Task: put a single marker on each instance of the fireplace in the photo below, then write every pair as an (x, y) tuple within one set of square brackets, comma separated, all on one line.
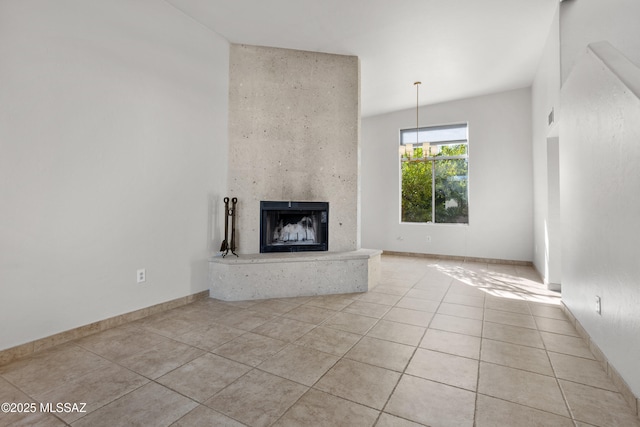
[(294, 226)]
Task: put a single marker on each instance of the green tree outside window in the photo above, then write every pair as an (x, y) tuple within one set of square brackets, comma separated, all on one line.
[(447, 200)]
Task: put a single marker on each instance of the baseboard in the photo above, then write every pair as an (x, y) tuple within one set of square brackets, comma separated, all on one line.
[(623, 387), (460, 258), (24, 350)]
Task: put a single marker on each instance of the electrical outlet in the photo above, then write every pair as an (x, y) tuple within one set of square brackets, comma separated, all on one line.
[(141, 275), (428, 239), (598, 305)]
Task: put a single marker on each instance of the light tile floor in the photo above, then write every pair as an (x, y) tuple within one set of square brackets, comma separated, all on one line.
[(436, 343)]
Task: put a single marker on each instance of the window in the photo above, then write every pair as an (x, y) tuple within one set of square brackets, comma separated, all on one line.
[(434, 164)]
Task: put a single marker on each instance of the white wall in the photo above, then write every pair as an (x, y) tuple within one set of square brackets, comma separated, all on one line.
[(500, 180), (545, 96), (113, 139), (588, 244), (587, 21), (600, 190)]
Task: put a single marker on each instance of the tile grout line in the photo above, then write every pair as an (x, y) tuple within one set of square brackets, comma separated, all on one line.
[(364, 334), (246, 308), (342, 357), (404, 371), (510, 367), (312, 387), (257, 367), (555, 376), (415, 350), (475, 408)]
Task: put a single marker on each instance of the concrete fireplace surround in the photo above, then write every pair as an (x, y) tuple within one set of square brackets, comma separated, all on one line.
[(294, 135)]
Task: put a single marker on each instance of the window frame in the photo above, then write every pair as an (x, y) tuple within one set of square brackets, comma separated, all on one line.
[(405, 146)]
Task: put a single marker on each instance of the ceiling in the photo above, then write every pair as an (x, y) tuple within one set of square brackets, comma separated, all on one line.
[(456, 48)]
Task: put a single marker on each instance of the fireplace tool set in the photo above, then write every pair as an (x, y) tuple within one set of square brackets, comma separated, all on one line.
[(229, 212)]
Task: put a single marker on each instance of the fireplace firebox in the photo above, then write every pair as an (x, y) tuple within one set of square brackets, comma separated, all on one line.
[(294, 226)]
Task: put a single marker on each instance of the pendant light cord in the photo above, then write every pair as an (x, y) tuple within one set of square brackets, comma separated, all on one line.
[(417, 85)]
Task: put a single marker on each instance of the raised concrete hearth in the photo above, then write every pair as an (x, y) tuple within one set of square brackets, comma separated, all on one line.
[(281, 275)]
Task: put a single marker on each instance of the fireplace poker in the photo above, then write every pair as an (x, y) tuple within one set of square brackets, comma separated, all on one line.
[(225, 244), (233, 226)]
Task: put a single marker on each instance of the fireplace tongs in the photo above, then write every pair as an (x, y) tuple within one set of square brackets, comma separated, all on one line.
[(229, 212)]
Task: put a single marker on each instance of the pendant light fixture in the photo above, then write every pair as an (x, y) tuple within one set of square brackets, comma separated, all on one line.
[(407, 149)]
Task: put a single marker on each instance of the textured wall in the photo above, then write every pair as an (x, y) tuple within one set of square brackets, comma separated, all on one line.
[(589, 21), (600, 206), (294, 135)]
